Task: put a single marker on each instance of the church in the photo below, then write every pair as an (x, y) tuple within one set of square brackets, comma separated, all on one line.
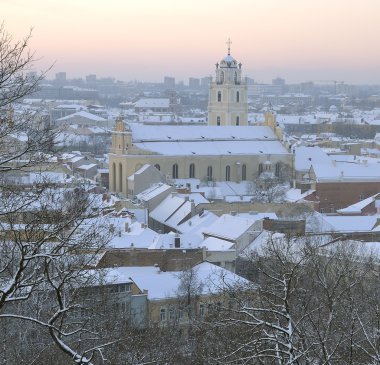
[(227, 149)]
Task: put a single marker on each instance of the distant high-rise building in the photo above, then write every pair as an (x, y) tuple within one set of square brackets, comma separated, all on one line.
[(278, 81), (228, 103), (194, 83), (205, 81), (60, 77), (91, 78), (169, 82)]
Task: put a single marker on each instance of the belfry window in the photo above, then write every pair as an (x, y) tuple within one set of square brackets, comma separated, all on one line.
[(228, 173), (175, 171), (237, 120), (217, 120), (209, 173), (191, 171), (219, 96), (244, 172), (237, 96), (222, 77)]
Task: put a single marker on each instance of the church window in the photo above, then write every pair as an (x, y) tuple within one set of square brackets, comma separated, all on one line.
[(222, 77), (175, 171), (157, 166), (260, 168), (218, 120), (277, 169), (114, 176), (237, 96), (237, 120), (244, 172), (219, 96), (120, 178), (209, 173), (228, 173), (191, 171), (235, 78)]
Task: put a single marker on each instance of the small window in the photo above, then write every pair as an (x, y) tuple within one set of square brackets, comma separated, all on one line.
[(219, 96), (244, 172), (277, 169), (217, 120), (192, 171), (228, 173), (201, 310), (209, 173), (175, 171), (163, 314)]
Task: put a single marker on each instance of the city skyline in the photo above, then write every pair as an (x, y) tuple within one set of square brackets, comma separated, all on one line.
[(297, 40)]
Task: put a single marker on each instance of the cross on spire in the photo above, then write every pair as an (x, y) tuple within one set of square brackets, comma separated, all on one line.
[(229, 46)]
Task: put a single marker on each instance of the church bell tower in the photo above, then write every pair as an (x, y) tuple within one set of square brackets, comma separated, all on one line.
[(227, 103)]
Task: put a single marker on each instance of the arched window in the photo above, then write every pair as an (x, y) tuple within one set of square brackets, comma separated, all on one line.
[(237, 96), (120, 178), (228, 173), (260, 168), (218, 120), (191, 171), (157, 166), (237, 120), (219, 96), (209, 173), (222, 77), (235, 78), (277, 169), (114, 177), (175, 171), (244, 172)]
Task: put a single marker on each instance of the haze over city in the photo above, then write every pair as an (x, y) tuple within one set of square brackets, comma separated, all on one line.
[(297, 39)]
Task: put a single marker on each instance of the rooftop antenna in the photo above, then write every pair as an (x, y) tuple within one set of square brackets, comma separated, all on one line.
[(229, 46)]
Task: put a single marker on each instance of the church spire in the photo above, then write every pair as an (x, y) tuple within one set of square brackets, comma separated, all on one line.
[(229, 46)]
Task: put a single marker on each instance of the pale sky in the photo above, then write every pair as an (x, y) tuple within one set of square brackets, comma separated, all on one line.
[(298, 40)]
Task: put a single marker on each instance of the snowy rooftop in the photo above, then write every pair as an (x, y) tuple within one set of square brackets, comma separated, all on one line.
[(152, 103), (163, 285), (82, 114), (145, 133), (306, 156), (357, 207), (230, 227), (153, 191), (346, 171), (207, 148)]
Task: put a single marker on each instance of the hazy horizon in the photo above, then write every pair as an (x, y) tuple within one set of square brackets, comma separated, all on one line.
[(298, 40)]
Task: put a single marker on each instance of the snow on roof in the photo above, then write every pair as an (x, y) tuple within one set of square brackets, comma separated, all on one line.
[(346, 171), (153, 191), (213, 147), (357, 207), (82, 114), (229, 227), (138, 237), (164, 285), (167, 208), (87, 167), (347, 223), (180, 214), (295, 195), (198, 223), (142, 169), (197, 198), (152, 103), (144, 133), (306, 156), (217, 244)]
